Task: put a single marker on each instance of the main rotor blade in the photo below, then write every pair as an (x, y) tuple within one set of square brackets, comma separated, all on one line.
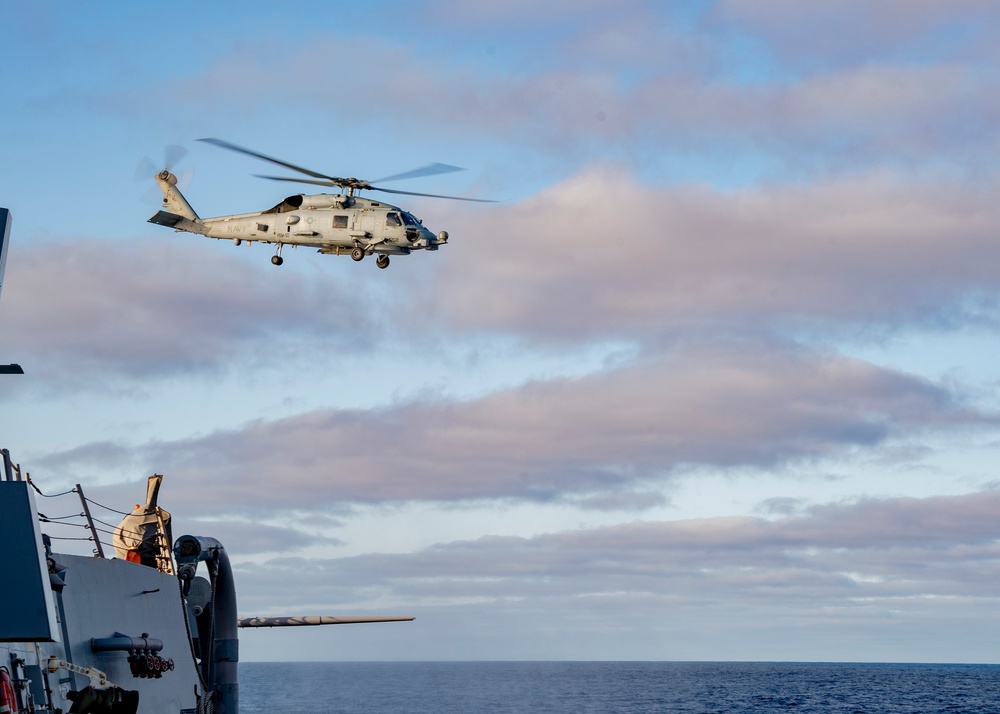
[(374, 188), (239, 149), (430, 195), (297, 180), (428, 170), (350, 183)]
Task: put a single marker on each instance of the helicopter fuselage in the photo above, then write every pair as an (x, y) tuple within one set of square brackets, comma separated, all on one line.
[(333, 223)]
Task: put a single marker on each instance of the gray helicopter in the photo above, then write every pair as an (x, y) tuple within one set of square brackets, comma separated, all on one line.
[(335, 224)]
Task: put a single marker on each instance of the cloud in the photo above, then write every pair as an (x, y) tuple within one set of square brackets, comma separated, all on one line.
[(604, 256), (252, 539), (555, 14), (137, 310), (658, 92), (893, 547), (833, 580), (855, 30), (878, 548), (587, 439)]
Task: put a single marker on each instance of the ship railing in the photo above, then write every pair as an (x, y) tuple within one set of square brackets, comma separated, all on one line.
[(86, 520)]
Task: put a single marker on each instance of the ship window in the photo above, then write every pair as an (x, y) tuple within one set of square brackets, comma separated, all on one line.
[(340, 221)]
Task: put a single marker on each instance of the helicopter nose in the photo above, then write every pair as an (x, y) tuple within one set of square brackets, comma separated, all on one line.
[(424, 238)]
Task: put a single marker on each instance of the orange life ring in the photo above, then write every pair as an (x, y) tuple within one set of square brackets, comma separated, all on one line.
[(8, 702)]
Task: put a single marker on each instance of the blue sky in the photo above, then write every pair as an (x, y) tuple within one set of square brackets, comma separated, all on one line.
[(713, 379)]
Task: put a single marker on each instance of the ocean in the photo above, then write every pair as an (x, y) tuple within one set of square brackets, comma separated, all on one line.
[(634, 687)]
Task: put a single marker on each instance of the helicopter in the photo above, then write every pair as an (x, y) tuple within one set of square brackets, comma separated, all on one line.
[(336, 224)]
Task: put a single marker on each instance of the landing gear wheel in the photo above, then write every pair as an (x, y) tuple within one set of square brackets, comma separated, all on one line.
[(276, 259), (358, 253), (382, 261)]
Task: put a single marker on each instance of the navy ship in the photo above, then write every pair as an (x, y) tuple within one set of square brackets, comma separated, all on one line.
[(151, 629)]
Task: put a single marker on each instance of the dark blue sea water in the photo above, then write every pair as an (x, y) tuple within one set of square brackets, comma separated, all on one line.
[(634, 687)]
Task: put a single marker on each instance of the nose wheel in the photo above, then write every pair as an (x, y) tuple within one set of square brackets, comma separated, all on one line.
[(382, 261)]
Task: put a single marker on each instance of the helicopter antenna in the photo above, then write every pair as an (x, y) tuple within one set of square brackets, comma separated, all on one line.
[(4, 238)]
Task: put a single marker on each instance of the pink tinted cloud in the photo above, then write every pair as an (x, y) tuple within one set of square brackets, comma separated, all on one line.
[(588, 438), (602, 255), (144, 309), (855, 30)]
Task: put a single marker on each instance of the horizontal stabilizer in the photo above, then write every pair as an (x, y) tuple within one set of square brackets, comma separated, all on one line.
[(313, 620), (178, 222), (163, 218)]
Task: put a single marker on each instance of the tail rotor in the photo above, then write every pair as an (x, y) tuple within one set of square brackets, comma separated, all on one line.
[(148, 169)]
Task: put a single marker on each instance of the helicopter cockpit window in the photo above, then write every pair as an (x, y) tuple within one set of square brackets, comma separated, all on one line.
[(410, 220), (289, 204), (392, 220)]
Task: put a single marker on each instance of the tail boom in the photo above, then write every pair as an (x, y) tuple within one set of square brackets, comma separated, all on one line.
[(176, 212)]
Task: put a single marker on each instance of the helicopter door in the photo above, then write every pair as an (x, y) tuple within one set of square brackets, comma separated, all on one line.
[(368, 223)]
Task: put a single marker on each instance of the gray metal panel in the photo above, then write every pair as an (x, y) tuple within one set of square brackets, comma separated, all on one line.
[(26, 597), (103, 597), (4, 238)]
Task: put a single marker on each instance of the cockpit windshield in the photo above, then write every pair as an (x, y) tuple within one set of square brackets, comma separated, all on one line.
[(410, 220)]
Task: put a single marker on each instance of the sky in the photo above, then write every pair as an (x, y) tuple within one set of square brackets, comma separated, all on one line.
[(714, 378)]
